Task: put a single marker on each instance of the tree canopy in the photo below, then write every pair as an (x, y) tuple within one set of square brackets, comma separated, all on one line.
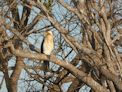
[(88, 45)]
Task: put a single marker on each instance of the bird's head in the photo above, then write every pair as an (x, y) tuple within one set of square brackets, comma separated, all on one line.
[(48, 33)]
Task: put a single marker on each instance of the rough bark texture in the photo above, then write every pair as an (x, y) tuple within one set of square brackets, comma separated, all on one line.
[(88, 45)]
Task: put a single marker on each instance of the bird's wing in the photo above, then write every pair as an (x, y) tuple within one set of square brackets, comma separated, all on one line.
[(42, 50)]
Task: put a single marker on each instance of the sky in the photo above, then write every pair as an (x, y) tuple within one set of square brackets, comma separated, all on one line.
[(37, 39)]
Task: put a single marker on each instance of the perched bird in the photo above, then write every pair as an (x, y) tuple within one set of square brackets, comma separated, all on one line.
[(47, 47)]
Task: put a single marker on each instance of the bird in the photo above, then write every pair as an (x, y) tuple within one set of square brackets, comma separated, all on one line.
[(46, 47)]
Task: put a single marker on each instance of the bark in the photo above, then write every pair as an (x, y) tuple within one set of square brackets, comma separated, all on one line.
[(16, 74), (79, 74)]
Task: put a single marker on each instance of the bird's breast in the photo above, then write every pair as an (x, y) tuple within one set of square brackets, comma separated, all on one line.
[(48, 45)]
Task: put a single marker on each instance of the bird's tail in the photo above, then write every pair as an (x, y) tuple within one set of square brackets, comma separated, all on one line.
[(46, 66), (46, 69)]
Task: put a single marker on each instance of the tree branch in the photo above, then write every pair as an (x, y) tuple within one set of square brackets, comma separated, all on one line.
[(79, 74)]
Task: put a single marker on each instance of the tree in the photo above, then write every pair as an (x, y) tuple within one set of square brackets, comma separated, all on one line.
[(87, 45)]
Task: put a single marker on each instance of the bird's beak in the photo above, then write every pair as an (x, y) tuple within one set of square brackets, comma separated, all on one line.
[(45, 34)]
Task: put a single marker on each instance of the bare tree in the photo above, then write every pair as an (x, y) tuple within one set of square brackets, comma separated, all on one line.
[(88, 45)]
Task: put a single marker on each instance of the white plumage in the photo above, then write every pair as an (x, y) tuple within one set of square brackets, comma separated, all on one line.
[(48, 44)]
